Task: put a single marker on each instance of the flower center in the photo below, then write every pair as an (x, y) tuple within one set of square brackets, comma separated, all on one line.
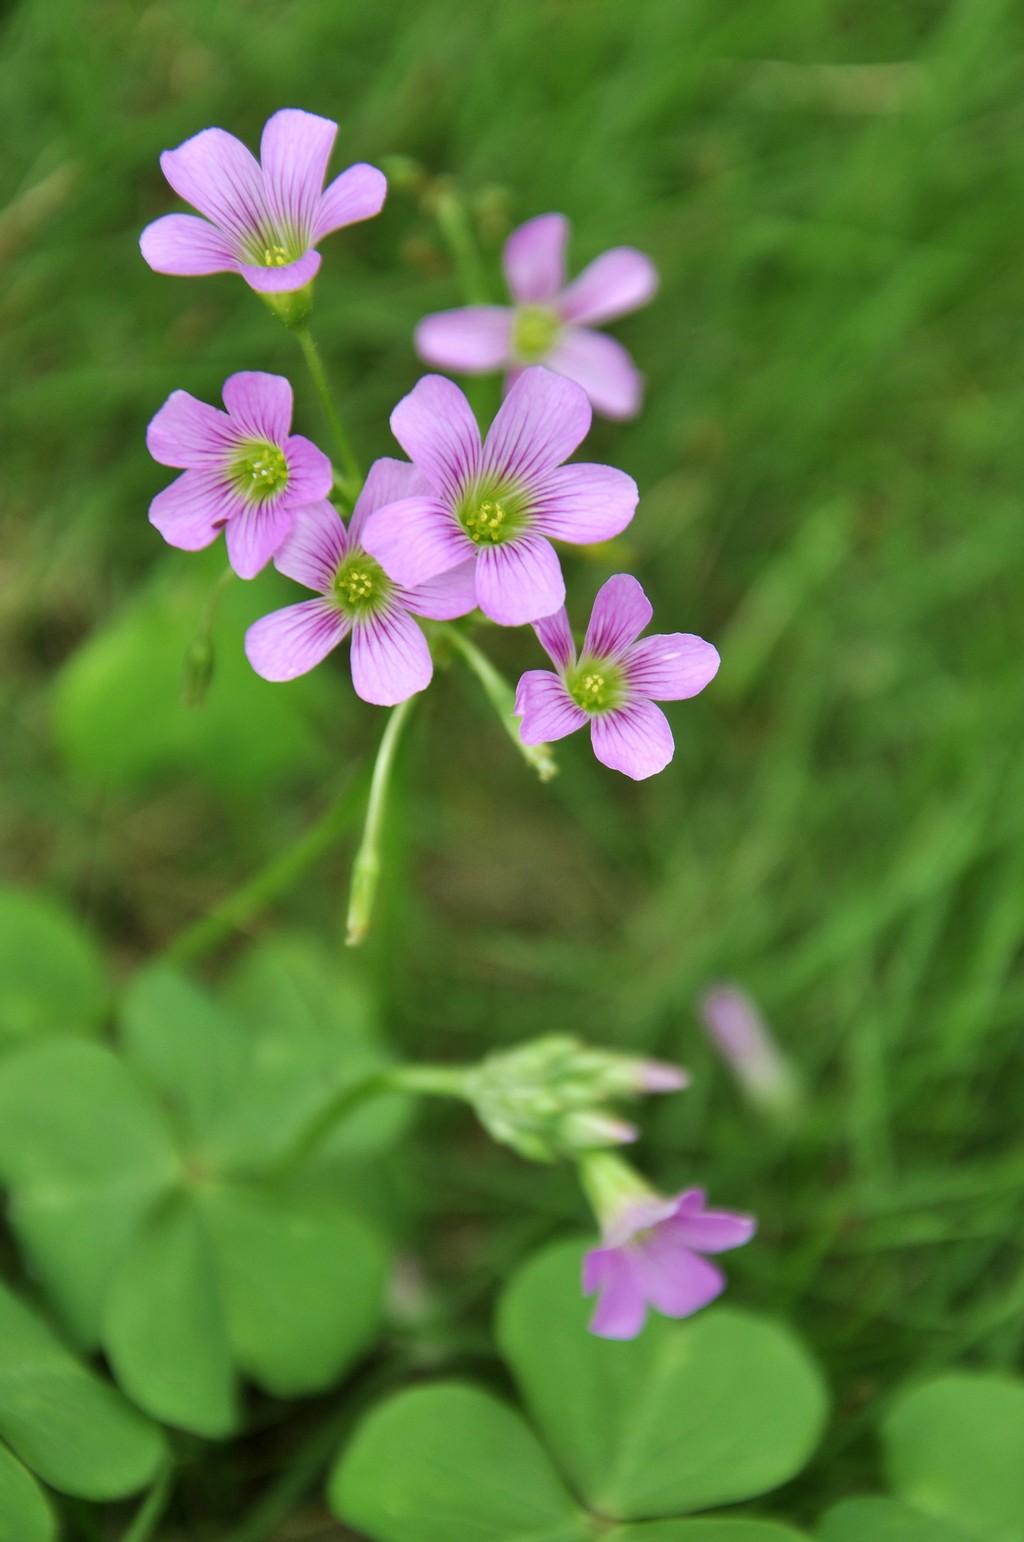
[(486, 523), (261, 469), (275, 257), (491, 513), (595, 685), (534, 331), (361, 585)]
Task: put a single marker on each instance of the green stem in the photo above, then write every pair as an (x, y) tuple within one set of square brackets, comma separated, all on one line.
[(366, 867), (457, 230), (342, 443), (438, 1081), (503, 699), (302, 1471), (147, 1516), (197, 668), (236, 911)]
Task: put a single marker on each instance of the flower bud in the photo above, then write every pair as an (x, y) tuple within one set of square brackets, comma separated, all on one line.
[(738, 1031)]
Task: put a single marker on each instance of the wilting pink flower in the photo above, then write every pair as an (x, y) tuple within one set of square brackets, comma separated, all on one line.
[(739, 1032), (550, 323), (245, 473), (390, 657), (652, 1247), (615, 682), (263, 218), (501, 502)]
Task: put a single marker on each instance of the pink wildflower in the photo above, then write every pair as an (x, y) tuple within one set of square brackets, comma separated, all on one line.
[(615, 682), (390, 657), (244, 472), (500, 502), (263, 218), (550, 323)]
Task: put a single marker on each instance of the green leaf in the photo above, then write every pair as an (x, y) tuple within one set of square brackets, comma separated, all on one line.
[(188, 1048), (314, 1038), (72, 1429), (302, 1283), (52, 979), (689, 1415), (883, 1520), (25, 1515), (85, 1155), (711, 1531), (445, 1462), (119, 717), (164, 1326), (955, 1449)]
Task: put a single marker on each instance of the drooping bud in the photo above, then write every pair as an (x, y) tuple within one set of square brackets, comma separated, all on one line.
[(740, 1034)]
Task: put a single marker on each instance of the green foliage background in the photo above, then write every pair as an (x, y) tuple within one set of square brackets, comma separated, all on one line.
[(830, 465)]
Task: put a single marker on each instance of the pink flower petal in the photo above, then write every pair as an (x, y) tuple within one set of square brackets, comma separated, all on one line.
[(190, 513), (415, 539), (602, 367), (315, 548), (474, 339), (555, 637), (294, 152), (357, 194), (708, 1231), (546, 708), (188, 432), (445, 597), (390, 658), (539, 424), (309, 470), (260, 404), (519, 581), (675, 1281), (187, 246), (290, 642), (618, 282), (534, 259), (584, 503), (294, 275), (621, 611), (671, 666), (216, 174), (621, 1307), (436, 428), (255, 533), (388, 481), (634, 739)]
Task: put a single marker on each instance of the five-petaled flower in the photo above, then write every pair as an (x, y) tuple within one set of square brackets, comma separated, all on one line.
[(550, 323), (244, 471), (263, 218), (498, 502), (614, 683), (390, 657), (651, 1248)]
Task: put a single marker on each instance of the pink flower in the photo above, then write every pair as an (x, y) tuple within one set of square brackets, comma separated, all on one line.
[(549, 323), (263, 218), (499, 503), (615, 682), (390, 657), (651, 1248), (739, 1032), (244, 472)]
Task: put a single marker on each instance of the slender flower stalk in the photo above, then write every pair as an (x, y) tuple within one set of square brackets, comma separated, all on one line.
[(342, 442), (366, 867), (502, 698)]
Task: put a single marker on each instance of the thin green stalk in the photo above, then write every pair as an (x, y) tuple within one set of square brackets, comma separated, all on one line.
[(439, 1081), (366, 868), (503, 699), (147, 1516), (236, 911), (342, 443), (197, 666), (455, 226), (299, 1476)]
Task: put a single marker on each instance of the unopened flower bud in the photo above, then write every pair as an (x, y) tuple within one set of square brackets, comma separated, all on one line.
[(739, 1032)]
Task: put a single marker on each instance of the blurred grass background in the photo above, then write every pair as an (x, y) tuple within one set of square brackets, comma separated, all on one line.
[(830, 464)]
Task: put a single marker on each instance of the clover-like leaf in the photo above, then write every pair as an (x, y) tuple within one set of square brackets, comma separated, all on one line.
[(710, 1530), (72, 1429), (874, 1519), (955, 1451), (25, 1514), (688, 1416), (85, 1156), (449, 1461), (52, 978)]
